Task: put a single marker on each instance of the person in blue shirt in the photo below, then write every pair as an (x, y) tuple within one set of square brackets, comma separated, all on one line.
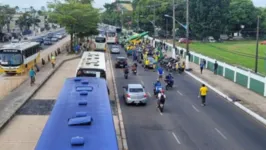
[(32, 76), (160, 72), (157, 86), (157, 83)]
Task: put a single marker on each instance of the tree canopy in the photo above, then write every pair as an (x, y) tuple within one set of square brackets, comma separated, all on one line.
[(77, 16), (207, 18)]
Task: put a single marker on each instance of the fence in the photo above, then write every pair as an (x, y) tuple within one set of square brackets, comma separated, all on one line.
[(245, 78)]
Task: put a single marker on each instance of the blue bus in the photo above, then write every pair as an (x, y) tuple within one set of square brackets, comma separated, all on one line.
[(81, 118)]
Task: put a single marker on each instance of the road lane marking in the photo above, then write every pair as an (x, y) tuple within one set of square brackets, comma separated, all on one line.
[(179, 93), (195, 108), (176, 138), (160, 113), (149, 94), (221, 133), (142, 82)]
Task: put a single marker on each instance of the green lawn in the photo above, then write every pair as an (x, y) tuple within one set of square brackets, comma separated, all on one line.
[(222, 52)]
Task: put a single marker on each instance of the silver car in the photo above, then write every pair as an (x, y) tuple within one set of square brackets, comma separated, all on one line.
[(115, 50), (135, 94)]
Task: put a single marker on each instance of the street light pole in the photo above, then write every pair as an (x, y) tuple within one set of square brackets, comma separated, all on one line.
[(154, 20), (173, 49), (187, 36), (257, 46)]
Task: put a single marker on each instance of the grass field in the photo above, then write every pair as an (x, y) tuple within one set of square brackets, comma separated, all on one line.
[(238, 53)]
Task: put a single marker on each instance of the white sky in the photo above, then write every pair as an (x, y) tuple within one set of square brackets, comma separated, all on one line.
[(97, 3)]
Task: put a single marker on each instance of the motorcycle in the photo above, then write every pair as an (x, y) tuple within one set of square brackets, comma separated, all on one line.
[(126, 75), (161, 107), (169, 84), (134, 72)]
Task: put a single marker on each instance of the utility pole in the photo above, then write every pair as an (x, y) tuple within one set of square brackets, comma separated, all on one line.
[(154, 13), (187, 36), (138, 21), (154, 20), (173, 50), (257, 46)]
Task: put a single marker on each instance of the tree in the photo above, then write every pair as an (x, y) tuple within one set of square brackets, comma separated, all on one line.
[(208, 18), (242, 12), (26, 21), (6, 14), (77, 16)]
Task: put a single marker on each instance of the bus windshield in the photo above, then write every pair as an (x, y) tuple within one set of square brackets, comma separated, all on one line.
[(111, 34), (10, 59), (100, 40)]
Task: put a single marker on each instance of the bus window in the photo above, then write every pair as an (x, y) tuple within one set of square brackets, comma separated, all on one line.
[(100, 40), (111, 34)]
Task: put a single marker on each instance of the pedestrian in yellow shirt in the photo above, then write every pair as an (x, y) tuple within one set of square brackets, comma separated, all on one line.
[(203, 93)]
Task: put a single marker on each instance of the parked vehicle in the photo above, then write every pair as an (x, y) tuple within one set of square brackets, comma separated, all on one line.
[(184, 40), (54, 39)]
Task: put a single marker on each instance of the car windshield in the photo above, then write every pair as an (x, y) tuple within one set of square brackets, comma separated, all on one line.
[(10, 59), (135, 90)]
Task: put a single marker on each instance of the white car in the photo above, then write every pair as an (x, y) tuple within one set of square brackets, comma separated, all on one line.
[(59, 36), (54, 39), (115, 50)]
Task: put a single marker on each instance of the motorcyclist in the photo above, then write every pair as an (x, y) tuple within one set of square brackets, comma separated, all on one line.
[(134, 67), (126, 71), (157, 85), (169, 79)]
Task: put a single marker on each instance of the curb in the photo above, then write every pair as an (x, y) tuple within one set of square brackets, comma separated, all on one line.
[(12, 114), (120, 117), (242, 107)]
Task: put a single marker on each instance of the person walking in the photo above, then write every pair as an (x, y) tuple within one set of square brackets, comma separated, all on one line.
[(32, 76), (202, 94), (201, 66), (215, 67), (53, 61)]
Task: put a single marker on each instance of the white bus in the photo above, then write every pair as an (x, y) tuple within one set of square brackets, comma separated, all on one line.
[(92, 64), (111, 37), (19, 57), (100, 43)]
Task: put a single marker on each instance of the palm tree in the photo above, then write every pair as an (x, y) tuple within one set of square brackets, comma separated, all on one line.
[(17, 9)]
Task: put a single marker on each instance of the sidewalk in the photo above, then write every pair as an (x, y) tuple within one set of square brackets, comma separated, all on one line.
[(11, 103), (249, 99)]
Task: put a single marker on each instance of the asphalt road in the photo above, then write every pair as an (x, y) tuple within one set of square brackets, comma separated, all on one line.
[(185, 124)]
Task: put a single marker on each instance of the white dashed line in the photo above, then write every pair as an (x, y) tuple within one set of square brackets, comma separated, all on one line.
[(149, 94), (195, 108), (179, 93), (142, 82), (176, 138), (221, 133), (161, 114)]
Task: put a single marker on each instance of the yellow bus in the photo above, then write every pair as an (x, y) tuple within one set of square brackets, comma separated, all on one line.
[(17, 58)]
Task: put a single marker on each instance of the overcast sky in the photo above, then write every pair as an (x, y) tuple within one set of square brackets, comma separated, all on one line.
[(97, 3)]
